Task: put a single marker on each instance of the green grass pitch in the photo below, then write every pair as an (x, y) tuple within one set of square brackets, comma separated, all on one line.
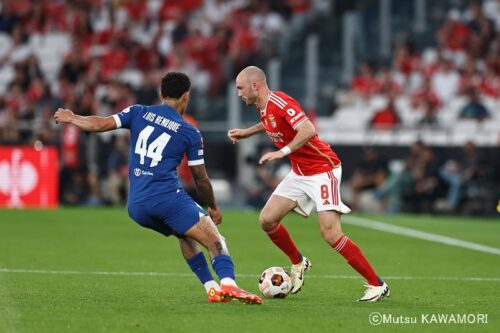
[(95, 270)]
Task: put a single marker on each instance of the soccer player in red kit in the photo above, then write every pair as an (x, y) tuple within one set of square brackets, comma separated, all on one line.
[(314, 181)]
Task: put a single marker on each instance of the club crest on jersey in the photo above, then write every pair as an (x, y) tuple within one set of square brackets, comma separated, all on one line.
[(272, 121)]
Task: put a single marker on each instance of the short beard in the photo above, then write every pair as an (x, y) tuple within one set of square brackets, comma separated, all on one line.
[(251, 100)]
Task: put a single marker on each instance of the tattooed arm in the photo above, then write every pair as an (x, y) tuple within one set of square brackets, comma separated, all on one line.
[(205, 191)]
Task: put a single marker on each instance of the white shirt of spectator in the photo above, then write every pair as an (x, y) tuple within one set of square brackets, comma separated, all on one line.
[(446, 84), (491, 9)]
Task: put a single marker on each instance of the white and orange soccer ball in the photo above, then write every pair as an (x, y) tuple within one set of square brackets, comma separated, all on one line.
[(275, 282)]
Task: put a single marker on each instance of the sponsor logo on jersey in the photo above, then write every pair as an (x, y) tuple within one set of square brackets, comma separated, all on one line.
[(275, 136), (326, 202), (138, 172)]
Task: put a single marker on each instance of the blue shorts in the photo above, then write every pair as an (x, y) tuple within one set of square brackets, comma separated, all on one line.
[(169, 214)]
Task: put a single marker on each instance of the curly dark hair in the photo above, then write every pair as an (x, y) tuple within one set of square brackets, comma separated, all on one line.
[(174, 84)]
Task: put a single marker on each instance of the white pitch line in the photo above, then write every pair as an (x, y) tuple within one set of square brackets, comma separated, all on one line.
[(309, 276), (394, 229)]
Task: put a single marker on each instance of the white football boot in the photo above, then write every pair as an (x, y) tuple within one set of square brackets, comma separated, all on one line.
[(297, 274), (375, 293)]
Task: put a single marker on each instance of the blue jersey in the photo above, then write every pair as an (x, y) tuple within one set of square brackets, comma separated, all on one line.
[(159, 138)]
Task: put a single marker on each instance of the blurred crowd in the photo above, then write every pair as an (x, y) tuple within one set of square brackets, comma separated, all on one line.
[(424, 180), (118, 51), (456, 80), (463, 65)]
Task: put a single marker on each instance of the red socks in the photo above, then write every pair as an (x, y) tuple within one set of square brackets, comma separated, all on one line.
[(355, 257), (280, 236), (349, 250)]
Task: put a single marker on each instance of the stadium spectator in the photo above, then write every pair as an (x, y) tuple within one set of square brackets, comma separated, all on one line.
[(8, 18), (147, 93), (19, 50), (461, 176), (424, 171), (367, 175), (491, 9), (73, 67), (406, 59), (445, 81), (386, 118), (386, 84), (75, 190), (425, 95), (490, 85), (244, 45), (452, 36), (471, 77), (474, 109), (365, 83), (272, 27), (115, 59), (429, 117), (390, 190)]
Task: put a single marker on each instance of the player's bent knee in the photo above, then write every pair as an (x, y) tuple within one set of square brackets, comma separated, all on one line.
[(330, 235), (267, 221)]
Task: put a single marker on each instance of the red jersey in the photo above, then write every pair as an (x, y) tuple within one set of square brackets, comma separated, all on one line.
[(280, 117)]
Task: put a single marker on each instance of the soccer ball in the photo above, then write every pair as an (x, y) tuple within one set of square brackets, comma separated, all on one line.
[(275, 282)]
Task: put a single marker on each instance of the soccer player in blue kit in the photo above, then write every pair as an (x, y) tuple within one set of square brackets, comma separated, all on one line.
[(159, 139)]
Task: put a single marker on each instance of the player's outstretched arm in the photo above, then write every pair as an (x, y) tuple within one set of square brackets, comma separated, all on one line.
[(305, 132), (88, 123), (236, 134), (205, 191)]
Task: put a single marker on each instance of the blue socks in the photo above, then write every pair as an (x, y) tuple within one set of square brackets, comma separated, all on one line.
[(223, 266), (199, 266)]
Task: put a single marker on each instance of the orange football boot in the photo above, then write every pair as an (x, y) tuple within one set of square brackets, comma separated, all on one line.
[(234, 292), (215, 296)]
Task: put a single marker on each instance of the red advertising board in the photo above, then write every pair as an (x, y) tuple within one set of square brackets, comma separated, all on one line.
[(29, 177)]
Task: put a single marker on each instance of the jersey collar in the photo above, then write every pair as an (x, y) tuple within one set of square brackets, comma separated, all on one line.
[(263, 111)]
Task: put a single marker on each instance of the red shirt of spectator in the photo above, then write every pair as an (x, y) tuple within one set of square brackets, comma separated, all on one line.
[(385, 84), (245, 39), (171, 9), (454, 34), (198, 49), (136, 9), (468, 81), (386, 118), (299, 6), (405, 61), (490, 85), (365, 83), (418, 97), (115, 60)]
